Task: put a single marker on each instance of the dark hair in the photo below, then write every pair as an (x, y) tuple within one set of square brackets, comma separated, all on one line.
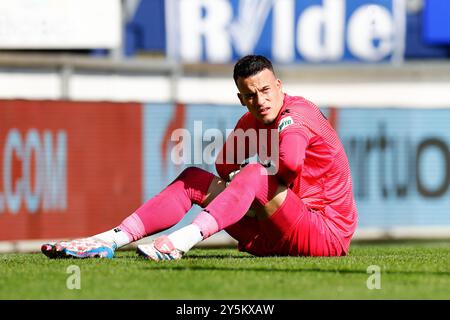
[(250, 65)]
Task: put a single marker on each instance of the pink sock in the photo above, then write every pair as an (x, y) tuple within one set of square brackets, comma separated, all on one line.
[(251, 185), (169, 206)]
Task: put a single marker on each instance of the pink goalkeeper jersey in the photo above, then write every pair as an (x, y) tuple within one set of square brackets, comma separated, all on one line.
[(312, 163)]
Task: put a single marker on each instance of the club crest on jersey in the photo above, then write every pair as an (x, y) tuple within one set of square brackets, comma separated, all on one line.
[(285, 122)]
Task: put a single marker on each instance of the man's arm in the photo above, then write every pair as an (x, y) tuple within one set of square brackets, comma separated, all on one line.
[(291, 155)]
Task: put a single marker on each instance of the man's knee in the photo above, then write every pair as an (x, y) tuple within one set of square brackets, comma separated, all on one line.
[(196, 182), (252, 174), (190, 172)]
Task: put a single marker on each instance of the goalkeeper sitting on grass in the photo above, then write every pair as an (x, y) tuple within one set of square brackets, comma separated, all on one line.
[(303, 206)]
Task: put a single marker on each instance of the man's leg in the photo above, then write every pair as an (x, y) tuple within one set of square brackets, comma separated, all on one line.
[(252, 188), (257, 210), (253, 191), (283, 226), (278, 222), (183, 238), (159, 213), (169, 206)]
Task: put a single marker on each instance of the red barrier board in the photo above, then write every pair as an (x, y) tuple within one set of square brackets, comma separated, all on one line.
[(68, 169)]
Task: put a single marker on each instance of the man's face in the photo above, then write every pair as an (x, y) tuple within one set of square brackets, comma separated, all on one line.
[(262, 95)]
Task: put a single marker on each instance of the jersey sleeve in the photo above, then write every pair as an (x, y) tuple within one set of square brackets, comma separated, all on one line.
[(295, 137)]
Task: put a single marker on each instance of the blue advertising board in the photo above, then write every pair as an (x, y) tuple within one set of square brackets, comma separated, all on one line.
[(400, 162), (436, 15), (287, 31)]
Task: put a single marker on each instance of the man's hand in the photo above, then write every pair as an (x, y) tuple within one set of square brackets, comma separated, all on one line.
[(255, 159), (231, 176)]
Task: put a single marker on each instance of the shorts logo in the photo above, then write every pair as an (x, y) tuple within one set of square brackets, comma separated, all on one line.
[(285, 122)]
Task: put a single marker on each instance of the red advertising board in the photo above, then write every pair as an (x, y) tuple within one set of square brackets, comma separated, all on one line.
[(68, 169)]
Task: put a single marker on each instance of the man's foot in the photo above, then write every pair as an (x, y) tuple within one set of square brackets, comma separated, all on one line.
[(79, 248), (160, 249)]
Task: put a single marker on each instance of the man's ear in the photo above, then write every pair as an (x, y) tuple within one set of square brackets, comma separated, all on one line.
[(279, 84), (240, 99)]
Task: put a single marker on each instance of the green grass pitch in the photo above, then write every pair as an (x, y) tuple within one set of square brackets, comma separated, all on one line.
[(409, 270)]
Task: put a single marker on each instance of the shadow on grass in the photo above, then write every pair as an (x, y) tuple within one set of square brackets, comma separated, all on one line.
[(290, 270), (219, 256), (169, 265), (174, 265)]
